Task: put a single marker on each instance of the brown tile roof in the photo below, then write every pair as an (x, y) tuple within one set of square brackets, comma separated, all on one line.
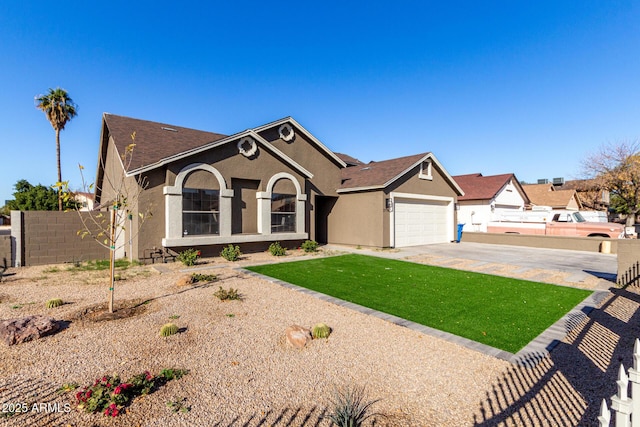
[(377, 174), (154, 141), (478, 187), (546, 195), (350, 161)]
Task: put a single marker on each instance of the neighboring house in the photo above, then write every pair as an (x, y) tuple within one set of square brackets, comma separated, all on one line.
[(486, 198), (548, 195), (86, 201), (5, 219), (275, 182), (590, 194)]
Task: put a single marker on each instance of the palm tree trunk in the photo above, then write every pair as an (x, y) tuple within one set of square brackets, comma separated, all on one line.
[(59, 170)]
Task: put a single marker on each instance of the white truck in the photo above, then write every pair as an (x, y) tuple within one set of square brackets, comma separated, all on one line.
[(554, 223)]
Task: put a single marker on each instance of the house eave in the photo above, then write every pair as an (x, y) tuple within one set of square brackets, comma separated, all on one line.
[(355, 189), (218, 143)]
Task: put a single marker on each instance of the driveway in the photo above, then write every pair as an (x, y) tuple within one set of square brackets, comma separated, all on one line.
[(573, 267)]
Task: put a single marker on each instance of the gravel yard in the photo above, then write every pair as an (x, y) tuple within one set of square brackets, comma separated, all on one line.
[(242, 372)]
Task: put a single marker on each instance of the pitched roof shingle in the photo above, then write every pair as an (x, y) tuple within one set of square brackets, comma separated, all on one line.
[(154, 141), (479, 187), (377, 174), (547, 195)]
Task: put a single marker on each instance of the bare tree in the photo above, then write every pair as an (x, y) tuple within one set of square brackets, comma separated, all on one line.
[(615, 167), (109, 230)]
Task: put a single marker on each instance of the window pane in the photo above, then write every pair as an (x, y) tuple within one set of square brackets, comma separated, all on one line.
[(283, 222), (283, 213), (283, 203), (200, 223), (200, 211)]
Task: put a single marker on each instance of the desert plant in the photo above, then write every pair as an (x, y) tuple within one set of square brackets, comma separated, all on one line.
[(168, 330), (309, 246), (226, 295), (276, 249), (203, 277), (178, 405), (189, 257), (320, 330), (55, 302), (351, 408), (231, 253)]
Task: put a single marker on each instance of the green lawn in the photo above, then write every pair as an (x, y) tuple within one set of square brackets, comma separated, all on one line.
[(498, 311)]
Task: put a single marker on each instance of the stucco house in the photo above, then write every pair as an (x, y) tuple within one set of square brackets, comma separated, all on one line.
[(275, 182), (486, 198), (548, 195)]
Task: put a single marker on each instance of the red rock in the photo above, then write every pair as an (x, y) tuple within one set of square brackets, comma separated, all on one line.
[(16, 331)]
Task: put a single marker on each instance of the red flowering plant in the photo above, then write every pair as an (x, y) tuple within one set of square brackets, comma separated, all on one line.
[(110, 396)]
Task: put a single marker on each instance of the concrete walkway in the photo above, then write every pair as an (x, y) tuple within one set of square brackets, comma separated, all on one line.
[(593, 271)]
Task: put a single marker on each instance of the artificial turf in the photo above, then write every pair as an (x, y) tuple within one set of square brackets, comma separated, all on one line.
[(498, 311)]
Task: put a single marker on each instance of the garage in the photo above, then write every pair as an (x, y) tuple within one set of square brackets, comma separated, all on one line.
[(420, 221)]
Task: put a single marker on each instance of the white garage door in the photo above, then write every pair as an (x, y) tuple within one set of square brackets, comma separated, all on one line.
[(421, 222)]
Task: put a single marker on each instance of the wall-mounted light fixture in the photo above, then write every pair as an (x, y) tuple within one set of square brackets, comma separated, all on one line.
[(389, 204)]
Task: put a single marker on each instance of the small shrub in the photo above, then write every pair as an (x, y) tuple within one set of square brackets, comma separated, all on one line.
[(350, 408), (231, 253), (320, 330), (203, 277), (53, 303), (168, 330), (310, 246), (178, 405), (276, 250), (227, 295), (189, 257)]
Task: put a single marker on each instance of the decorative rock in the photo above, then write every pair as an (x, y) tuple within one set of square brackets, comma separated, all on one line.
[(297, 336), (185, 280), (16, 331)]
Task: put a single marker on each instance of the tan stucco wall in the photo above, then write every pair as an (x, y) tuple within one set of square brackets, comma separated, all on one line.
[(628, 262), (326, 179), (589, 244), (358, 219)]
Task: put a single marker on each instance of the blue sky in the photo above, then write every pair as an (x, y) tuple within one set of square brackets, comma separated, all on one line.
[(493, 87)]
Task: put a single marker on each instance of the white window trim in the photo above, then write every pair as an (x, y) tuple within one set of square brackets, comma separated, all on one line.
[(428, 173), (264, 207), (173, 210)]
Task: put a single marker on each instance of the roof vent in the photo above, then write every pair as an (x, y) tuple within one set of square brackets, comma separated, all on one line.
[(366, 168), (169, 129)]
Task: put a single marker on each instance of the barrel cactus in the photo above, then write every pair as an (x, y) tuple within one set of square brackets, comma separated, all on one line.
[(320, 330), (55, 302), (168, 330)]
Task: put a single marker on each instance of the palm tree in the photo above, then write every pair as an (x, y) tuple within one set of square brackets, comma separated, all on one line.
[(59, 109)]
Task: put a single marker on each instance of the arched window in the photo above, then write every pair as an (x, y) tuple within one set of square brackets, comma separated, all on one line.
[(283, 207), (200, 204)]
